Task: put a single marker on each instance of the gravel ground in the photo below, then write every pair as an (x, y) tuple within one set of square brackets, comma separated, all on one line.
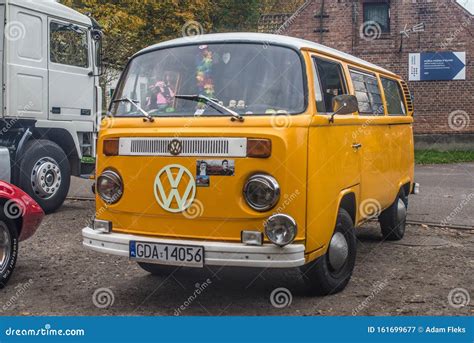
[(55, 275)]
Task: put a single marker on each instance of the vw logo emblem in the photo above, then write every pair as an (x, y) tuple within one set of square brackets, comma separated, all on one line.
[(175, 147), (174, 188)]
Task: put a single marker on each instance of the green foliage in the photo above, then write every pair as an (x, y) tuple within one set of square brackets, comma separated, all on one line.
[(441, 157)]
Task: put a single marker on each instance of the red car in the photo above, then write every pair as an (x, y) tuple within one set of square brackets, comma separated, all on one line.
[(20, 216)]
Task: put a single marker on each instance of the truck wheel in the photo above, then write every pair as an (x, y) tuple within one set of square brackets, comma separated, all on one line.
[(8, 249), (157, 269), (330, 273), (45, 174), (393, 219)]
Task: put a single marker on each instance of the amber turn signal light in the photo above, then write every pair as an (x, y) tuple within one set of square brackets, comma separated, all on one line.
[(259, 148), (111, 147)]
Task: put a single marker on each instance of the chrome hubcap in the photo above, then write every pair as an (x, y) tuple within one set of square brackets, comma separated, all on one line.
[(5, 246), (338, 251), (401, 211), (46, 178)]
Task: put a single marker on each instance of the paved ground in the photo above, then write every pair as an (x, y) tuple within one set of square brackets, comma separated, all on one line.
[(56, 276)]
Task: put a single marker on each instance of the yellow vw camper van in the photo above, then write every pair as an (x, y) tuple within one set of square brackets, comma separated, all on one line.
[(252, 150)]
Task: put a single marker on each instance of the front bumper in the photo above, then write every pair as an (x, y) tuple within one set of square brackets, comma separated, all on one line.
[(215, 253)]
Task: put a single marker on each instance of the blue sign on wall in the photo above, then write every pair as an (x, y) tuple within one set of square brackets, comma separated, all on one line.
[(437, 66)]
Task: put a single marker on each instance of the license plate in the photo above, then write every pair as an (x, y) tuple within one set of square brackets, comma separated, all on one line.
[(171, 254)]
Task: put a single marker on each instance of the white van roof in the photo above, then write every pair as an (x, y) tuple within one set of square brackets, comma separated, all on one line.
[(264, 39), (52, 8)]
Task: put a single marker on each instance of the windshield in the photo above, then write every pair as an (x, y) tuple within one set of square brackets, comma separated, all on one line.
[(247, 78)]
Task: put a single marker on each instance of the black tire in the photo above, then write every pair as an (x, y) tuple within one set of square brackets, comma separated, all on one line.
[(319, 275), (158, 269), (8, 253), (393, 219), (37, 152)]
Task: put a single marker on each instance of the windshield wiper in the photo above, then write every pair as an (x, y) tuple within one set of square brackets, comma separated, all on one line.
[(212, 103), (135, 104)]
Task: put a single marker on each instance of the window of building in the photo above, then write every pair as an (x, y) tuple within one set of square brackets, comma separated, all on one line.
[(393, 97), (69, 45), (367, 93), (379, 13), (329, 83)]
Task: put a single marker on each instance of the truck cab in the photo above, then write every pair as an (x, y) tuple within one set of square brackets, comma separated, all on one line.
[(50, 97)]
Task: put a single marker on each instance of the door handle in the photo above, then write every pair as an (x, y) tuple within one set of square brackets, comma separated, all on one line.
[(356, 146)]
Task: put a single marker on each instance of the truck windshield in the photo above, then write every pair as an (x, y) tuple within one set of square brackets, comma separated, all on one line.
[(250, 79)]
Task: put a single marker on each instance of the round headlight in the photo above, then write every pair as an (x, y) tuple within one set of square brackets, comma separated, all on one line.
[(281, 229), (110, 186), (262, 192)]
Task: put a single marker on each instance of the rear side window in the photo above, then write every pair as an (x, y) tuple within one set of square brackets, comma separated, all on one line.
[(393, 97), (68, 45), (368, 93), (329, 83)]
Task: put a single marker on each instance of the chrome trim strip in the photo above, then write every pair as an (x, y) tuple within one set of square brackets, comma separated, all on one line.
[(191, 146)]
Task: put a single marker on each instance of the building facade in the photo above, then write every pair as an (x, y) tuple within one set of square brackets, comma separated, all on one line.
[(397, 34)]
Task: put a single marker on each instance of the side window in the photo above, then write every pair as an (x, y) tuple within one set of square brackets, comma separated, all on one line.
[(69, 45), (368, 93), (329, 82), (393, 97)]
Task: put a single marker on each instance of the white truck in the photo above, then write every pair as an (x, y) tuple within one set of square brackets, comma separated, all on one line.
[(51, 98)]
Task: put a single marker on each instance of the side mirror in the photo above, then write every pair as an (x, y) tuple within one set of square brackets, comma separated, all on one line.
[(344, 104)]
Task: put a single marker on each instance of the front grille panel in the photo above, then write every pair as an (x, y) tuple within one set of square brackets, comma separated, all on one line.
[(190, 146)]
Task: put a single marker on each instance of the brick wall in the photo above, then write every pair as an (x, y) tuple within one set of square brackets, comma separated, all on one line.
[(447, 27)]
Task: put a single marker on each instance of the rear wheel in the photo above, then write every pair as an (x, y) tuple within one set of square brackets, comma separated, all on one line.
[(157, 269), (45, 174), (8, 249), (330, 273), (393, 219)]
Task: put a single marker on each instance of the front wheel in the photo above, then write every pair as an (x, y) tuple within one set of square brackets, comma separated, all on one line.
[(330, 273), (8, 249), (45, 174)]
